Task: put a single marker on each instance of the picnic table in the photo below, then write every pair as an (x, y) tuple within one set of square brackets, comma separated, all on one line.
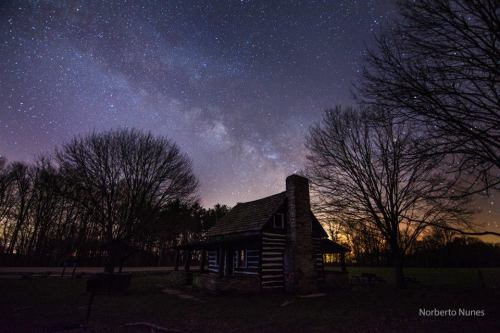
[(369, 279)]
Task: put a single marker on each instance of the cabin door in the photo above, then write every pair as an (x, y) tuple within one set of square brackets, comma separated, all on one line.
[(228, 262)]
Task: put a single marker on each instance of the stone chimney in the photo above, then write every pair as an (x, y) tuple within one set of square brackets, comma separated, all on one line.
[(300, 276)]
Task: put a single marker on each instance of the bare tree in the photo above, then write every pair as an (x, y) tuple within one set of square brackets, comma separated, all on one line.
[(364, 170), (123, 179), (438, 65), (99, 191), (47, 208), (6, 202), (22, 178)]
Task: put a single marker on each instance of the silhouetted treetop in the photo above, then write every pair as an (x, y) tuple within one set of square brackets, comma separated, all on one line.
[(124, 178), (438, 65)]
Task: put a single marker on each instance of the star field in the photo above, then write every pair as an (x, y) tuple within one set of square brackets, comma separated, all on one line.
[(235, 84)]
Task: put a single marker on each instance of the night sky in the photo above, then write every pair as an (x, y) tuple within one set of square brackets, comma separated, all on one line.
[(235, 84)]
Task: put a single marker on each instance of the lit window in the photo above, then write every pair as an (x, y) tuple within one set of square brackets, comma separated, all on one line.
[(279, 221), (241, 256)]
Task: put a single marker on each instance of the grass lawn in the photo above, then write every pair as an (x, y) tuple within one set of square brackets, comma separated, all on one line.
[(450, 277), (59, 305)]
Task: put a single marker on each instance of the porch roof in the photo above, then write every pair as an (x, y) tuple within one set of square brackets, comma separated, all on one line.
[(329, 246), (238, 238)]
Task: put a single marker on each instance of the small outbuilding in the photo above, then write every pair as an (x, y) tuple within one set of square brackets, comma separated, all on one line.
[(272, 243)]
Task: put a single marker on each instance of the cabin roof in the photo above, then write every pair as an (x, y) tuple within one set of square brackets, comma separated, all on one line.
[(248, 216)]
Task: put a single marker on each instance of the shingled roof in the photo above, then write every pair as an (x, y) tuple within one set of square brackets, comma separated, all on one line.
[(248, 216)]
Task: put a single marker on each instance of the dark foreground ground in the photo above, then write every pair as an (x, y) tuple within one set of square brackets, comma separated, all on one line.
[(59, 305)]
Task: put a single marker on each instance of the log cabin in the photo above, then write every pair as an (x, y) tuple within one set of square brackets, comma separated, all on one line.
[(274, 243)]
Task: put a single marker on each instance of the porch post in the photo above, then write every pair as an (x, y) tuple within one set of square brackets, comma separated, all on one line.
[(188, 260), (202, 260), (222, 259), (229, 261), (342, 262), (177, 259)]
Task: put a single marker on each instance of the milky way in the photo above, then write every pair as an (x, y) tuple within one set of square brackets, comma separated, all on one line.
[(235, 84)]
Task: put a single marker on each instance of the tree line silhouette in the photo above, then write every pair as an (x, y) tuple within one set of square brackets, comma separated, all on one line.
[(435, 249), (121, 191)]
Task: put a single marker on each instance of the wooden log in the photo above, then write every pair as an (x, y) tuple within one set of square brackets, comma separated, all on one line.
[(153, 327)]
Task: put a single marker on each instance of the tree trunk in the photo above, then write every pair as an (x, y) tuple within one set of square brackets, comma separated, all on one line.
[(15, 235), (109, 267), (397, 262), (122, 262)]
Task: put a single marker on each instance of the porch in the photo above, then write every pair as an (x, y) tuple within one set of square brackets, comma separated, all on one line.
[(336, 276), (220, 255), (217, 266)]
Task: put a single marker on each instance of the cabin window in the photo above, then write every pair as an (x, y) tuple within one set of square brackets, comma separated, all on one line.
[(279, 221), (241, 258)]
